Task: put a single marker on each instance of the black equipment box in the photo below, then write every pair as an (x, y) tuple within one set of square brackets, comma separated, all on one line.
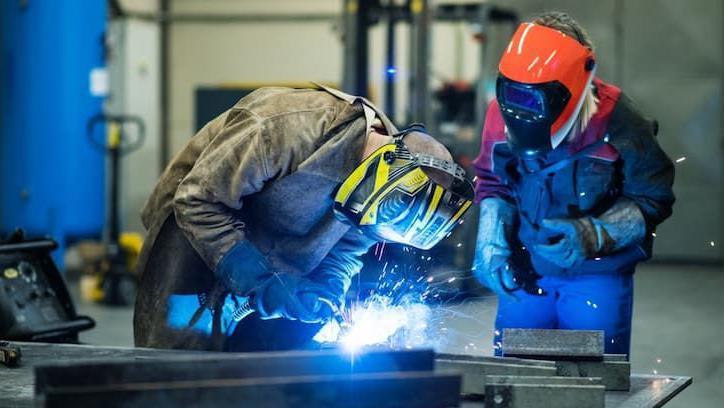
[(34, 301)]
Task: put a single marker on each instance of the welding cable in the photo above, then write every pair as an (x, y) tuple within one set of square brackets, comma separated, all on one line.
[(205, 301), (336, 313), (244, 310)]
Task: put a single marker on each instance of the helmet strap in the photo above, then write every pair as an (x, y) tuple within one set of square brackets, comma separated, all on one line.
[(414, 127)]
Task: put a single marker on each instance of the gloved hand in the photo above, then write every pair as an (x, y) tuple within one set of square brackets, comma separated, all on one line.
[(293, 298), (572, 241), (569, 241), (336, 285), (342, 262), (242, 268), (245, 272), (492, 265)]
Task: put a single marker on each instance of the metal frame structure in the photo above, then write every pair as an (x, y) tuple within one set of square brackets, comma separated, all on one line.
[(361, 15), (358, 16)]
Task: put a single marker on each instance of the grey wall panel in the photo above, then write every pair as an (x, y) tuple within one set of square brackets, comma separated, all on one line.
[(672, 65)]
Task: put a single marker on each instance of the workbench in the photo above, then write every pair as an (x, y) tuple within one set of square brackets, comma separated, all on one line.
[(17, 384)]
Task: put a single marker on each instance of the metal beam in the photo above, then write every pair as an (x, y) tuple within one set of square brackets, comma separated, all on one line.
[(420, 61), (229, 366), (475, 373), (615, 371), (486, 359), (530, 392), (553, 344), (371, 390)]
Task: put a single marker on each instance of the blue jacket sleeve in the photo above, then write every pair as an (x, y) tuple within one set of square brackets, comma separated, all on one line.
[(342, 262), (648, 173)]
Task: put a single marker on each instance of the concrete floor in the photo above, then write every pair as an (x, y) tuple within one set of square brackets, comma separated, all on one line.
[(678, 328)]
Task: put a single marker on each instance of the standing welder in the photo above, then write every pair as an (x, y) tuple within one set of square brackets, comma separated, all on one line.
[(269, 207), (571, 183)]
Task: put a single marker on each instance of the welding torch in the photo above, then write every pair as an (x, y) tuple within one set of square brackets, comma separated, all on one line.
[(246, 308), (336, 312)]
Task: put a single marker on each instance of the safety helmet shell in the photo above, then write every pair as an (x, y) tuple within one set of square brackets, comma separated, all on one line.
[(541, 57), (391, 197)]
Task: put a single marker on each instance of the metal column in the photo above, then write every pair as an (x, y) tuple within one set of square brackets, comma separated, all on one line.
[(419, 61), (481, 100), (355, 77), (165, 82), (391, 69)]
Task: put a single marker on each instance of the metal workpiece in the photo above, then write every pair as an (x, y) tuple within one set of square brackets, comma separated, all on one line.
[(475, 373), (488, 359), (369, 390), (374, 378), (615, 371), (648, 391), (555, 345), (559, 392), (547, 380), (227, 366)]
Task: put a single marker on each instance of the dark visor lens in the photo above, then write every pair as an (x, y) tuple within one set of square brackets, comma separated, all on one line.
[(526, 99), (464, 188)]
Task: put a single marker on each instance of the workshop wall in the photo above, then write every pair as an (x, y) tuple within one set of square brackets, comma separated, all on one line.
[(213, 53), (672, 65)]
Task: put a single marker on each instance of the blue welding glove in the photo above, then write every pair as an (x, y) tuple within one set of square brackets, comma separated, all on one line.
[(569, 241), (492, 266), (242, 268), (292, 297), (245, 272), (336, 285), (572, 241)]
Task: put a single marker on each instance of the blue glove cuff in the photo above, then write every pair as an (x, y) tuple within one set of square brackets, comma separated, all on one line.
[(242, 268)]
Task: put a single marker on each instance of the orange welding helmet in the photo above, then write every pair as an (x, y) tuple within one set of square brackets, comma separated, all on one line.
[(541, 86)]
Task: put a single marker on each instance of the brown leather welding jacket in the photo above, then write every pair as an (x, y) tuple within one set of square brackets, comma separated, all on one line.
[(263, 171)]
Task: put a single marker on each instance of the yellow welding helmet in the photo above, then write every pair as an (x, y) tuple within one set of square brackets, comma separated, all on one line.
[(402, 197)]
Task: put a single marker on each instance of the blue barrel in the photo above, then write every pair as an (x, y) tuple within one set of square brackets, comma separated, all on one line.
[(51, 179)]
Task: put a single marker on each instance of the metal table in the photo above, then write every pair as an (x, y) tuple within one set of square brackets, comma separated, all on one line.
[(17, 384)]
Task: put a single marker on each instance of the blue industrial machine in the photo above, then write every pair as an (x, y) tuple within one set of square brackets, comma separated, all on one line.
[(52, 82)]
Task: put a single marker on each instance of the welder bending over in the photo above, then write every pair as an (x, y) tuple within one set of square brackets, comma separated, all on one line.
[(269, 207), (571, 183)]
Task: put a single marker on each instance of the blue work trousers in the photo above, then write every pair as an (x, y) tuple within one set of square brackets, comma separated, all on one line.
[(586, 302)]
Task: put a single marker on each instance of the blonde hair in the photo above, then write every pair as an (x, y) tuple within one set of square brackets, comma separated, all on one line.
[(564, 23)]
